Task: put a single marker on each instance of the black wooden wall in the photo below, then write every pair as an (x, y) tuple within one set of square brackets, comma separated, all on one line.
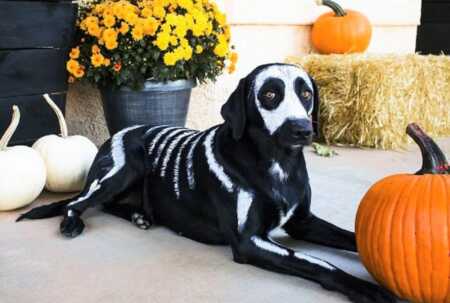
[(433, 35), (35, 37)]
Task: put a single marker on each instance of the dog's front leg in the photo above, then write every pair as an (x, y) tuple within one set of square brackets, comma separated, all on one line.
[(316, 230), (264, 253)]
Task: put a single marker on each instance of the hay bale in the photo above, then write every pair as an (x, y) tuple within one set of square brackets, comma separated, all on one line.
[(368, 100)]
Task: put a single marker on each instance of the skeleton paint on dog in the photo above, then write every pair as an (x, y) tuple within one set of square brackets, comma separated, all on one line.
[(290, 106), (232, 184)]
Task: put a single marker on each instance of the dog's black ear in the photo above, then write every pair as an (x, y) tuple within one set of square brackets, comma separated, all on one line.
[(316, 108), (234, 112)]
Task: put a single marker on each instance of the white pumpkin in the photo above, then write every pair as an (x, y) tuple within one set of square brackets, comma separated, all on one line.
[(22, 176), (67, 158)]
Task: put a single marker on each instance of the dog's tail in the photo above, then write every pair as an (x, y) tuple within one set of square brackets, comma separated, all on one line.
[(45, 211)]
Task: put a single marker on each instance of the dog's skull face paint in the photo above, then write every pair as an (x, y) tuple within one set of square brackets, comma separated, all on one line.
[(284, 99)]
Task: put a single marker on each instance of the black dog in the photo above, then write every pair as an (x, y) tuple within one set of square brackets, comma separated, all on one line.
[(232, 184)]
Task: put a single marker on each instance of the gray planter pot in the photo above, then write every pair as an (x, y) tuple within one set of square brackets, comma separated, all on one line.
[(156, 103)]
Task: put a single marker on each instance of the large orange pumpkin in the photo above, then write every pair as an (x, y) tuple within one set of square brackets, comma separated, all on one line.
[(340, 31), (403, 228)]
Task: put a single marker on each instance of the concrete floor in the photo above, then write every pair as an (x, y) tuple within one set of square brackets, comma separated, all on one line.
[(115, 262)]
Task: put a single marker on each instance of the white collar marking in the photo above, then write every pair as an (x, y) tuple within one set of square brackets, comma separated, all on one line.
[(214, 166), (277, 171), (291, 106)]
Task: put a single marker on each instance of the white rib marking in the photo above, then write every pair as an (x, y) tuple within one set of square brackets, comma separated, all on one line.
[(214, 166), (314, 260), (157, 137), (117, 152), (176, 169), (244, 201), (189, 164), (170, 149), (164, 143), (269, 246)]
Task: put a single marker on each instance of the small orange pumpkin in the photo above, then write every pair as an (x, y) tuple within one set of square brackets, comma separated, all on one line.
[(341, 31), (403, 228)]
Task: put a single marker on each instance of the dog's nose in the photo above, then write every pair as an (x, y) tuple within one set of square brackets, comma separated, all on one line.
[(301, 129)]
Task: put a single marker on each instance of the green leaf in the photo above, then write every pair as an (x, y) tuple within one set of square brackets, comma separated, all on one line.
[(323, 150)]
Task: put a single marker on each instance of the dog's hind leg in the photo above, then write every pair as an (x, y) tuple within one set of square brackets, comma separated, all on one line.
[(116, 168)]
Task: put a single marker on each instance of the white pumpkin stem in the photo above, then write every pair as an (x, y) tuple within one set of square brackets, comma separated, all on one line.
[(59, 114), (11, 128)]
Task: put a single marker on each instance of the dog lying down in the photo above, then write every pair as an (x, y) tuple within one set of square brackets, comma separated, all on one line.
[(232, 184)]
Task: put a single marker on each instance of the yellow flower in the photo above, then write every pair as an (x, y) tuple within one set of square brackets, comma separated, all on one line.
[(199, 49), (72, 66), (107, 62), (111, 44), (150, 26), (95, 49), (97, 60), (131, 18), (159, 12), (162, 41), (91, 20), (146, 12), (79, 73), (124, 28), (221, 50), (173, 40), (75, 53), (109, 34), (94, 30), (170, 59), (109, 21), (137, 33)]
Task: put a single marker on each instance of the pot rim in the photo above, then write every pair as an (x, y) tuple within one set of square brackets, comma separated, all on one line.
[(160, 86)]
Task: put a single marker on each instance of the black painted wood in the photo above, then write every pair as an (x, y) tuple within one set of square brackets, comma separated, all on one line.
[(433, 12), (432, 38), (37, 118), (35, 24), (433, 33), (34, 71)]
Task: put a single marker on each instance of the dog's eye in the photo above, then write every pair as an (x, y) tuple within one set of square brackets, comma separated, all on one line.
[(306, 94), (269, 95)]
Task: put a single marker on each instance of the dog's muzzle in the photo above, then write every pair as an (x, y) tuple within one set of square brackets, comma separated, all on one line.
[(296, 133)]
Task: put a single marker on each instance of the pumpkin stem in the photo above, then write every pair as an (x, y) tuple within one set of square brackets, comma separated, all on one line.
[(59, 114), (11, 128), (337, 9), (434, 160)]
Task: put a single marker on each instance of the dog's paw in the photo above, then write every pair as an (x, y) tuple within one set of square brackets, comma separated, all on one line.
[(71, 226), (140, 221)]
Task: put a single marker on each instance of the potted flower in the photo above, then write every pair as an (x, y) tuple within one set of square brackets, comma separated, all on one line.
[(147, 55)]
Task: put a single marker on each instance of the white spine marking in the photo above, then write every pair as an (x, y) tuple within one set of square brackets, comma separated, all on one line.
[(189, 163), (176, 169), (214, 166), (170, 149), (314, 260), (244, 201), (117, 152), (269, 246), (92, 189), (164, 143), (276, 170), (157, 137)]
